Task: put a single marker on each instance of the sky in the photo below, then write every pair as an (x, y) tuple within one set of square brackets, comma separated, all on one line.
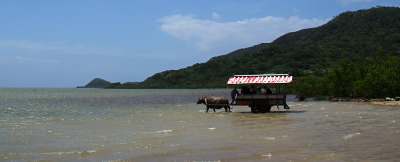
[(65, 44)]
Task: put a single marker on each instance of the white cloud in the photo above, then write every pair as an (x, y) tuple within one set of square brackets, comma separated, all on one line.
[(23, 59), (207, 34), (349, 2), (215, 16), (54, 47)]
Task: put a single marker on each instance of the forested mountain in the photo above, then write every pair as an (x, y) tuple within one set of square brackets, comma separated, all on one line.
[(350, 35)]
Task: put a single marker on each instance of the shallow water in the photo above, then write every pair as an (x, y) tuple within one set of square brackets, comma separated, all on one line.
[(167, 125)]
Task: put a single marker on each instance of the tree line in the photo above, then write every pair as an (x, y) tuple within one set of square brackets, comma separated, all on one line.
[(376, 76)]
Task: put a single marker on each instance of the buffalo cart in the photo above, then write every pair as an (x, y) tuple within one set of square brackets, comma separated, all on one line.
[(258, 101)]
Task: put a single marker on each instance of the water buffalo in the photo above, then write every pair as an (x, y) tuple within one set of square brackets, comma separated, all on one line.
[(215, 103)]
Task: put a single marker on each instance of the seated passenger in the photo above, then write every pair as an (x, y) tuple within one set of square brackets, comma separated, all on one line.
[(253, 90), (245, 90), (267, 90), (258, 90)]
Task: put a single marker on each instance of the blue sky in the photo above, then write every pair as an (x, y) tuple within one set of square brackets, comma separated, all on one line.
[(48, 43)]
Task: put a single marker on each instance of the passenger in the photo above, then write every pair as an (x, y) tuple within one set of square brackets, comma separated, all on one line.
[(234, 93), (267, 90), (258, 90), (245, 90), (242, 91), (252, 90)]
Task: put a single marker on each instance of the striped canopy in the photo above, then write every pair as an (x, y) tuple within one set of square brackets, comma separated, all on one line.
[(261, 79)]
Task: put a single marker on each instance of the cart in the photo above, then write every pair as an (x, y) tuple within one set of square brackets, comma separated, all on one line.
[(261, 102)]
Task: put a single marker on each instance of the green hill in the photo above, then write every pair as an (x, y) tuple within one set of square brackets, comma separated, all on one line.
[(350, 35), (97, 83)]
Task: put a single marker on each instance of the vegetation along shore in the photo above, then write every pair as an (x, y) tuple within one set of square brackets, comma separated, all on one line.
[(356, 54)]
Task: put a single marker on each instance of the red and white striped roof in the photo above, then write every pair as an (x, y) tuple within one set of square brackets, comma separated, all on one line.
[(260, 79)]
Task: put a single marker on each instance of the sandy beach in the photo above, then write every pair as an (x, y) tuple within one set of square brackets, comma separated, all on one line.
[(389, 103)]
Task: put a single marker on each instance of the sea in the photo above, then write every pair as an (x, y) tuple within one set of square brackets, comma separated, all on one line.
[(79, 124)]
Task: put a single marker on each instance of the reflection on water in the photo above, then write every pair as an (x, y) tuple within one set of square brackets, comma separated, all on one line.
[(168, 125)]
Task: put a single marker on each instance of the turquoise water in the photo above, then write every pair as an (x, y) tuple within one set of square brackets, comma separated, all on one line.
[(167, 125)]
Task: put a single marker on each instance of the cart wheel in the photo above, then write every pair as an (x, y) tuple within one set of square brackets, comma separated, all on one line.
[(259, 107)]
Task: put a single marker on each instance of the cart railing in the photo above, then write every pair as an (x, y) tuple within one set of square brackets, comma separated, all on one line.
[(261, 96)]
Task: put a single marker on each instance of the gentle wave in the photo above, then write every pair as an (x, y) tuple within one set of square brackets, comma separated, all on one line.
[(71, 152), (161, 131), (351, 135)]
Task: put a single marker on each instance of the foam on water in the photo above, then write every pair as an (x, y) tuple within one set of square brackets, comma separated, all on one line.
[(351, 135), (266, 155), (71, 152), (161, 131)]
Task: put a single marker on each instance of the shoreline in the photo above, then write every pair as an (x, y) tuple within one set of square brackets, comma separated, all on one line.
[(388, 101)]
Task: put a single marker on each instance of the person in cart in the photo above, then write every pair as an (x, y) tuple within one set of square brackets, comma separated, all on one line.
[(234, 93), (267, 90)]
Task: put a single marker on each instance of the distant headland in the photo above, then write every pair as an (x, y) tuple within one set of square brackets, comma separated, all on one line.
[(101, 83)]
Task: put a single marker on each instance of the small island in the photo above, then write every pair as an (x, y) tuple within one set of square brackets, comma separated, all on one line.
[(101, 83), (96, 83)]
